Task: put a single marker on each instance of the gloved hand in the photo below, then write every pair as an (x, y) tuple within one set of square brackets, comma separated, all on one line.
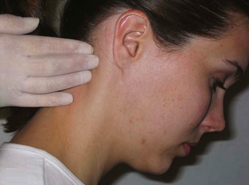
[(33, 69)]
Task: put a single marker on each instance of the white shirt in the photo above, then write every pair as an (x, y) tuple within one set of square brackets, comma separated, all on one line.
[(25, 165)]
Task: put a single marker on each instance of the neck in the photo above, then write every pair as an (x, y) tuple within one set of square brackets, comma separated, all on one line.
[(78, 135)]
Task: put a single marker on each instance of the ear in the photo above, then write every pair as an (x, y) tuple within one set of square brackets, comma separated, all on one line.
[(131, 34)]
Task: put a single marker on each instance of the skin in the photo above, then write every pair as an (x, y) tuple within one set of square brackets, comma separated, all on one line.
[(142, 103)]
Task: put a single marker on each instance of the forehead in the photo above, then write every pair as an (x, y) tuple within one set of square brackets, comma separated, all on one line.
[(233, 46)]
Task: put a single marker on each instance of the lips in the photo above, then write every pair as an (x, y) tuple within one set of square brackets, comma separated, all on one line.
[(187, 147), (192, 144)]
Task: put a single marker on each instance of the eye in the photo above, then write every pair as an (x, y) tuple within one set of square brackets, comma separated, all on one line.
[(218, 83)]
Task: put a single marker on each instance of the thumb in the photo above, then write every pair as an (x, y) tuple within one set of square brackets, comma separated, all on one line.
[(10, 24)]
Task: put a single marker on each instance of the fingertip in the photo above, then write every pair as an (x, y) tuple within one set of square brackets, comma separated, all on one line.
[(87, 77), (32, 21), (66, 99), (86, 48), (92, 48), (11, 24), (96, 62), (90, 76), (93, 61)]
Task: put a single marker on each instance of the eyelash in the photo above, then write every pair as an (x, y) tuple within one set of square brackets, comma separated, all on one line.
[(218, 83)]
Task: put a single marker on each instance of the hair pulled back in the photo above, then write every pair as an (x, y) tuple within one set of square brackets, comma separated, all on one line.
[(173, 21)]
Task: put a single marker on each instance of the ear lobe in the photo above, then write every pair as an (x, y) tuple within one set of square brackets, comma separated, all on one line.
[(130, 34)]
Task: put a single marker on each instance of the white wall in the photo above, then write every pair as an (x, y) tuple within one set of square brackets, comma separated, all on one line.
[(221, 159)]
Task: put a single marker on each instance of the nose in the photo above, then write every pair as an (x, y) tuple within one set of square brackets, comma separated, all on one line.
[(214, 120)]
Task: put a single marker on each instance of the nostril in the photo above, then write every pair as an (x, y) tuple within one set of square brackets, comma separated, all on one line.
[(217, 128), (207, 129), (214, 122), (211, 129)]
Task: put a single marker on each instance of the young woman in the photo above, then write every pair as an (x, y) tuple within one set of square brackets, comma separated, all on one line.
[(164, 69)]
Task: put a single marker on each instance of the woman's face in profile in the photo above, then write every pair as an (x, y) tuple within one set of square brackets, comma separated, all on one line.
[(182, 97)]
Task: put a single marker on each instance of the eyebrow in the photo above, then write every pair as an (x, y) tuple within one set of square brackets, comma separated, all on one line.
[(240, 71)]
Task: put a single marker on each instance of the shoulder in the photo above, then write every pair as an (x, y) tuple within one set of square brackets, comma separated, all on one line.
[(24, 165), (19, 166)]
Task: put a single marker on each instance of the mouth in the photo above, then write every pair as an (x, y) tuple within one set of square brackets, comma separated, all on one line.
[(187, 147), (192, 144)]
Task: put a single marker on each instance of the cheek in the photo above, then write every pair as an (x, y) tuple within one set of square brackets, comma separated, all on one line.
[(180, 110), (168, 103)]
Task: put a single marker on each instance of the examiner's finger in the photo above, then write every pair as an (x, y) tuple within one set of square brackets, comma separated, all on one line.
[(38, 45), (55, 65), (35, 85), (47, 100), (11, 24)]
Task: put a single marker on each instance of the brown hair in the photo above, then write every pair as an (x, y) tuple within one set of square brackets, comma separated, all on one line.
[(174, 23), (30, 8)]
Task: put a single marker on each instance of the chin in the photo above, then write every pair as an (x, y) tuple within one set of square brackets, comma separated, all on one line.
[(161, 169), (157, 167)]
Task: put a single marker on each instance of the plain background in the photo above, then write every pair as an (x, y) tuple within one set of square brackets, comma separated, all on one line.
[(220, 158)]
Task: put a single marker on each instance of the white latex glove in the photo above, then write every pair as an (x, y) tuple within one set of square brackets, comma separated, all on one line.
[(33, 69)]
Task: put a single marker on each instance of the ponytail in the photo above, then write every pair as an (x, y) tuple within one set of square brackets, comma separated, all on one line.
[(174, 22)]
